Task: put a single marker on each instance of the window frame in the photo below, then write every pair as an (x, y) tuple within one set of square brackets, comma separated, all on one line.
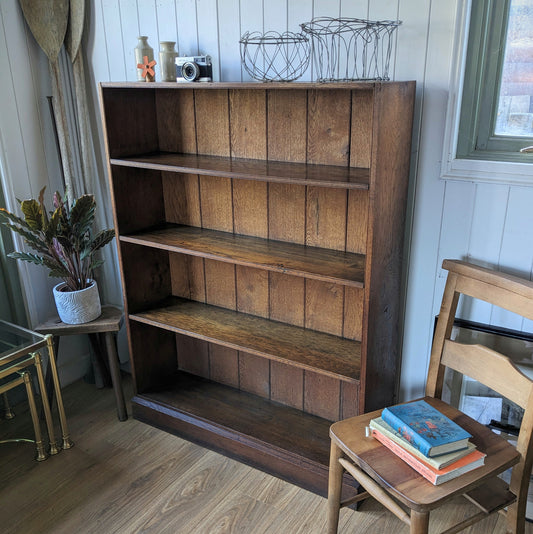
[(495, 165)]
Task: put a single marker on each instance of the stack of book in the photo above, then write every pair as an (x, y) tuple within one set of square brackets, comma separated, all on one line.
[(427, 440)]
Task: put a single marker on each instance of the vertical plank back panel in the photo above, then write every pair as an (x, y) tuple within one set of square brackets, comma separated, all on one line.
[(250, 208), (224, 365), (287, 125), (287, 385), (326, 218), (286, 212), (130, 122), (324, 307), (357, 222), (187, 273), (252, 291), (353, 313), (182, 198), (216, 198), (248, 123), (220, 284), (144, 206), (287, 299), (361, 128), (212, 122), (322, 395), (193, 355), (254, 374), (175, 121), (328, 135)]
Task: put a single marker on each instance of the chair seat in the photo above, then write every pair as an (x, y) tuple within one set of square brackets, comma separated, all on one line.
[(405, 483)]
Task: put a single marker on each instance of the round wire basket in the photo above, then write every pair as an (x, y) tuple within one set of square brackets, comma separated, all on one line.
[(274, 56), (346, 49)]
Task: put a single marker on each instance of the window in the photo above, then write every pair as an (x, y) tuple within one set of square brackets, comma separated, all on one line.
[(496, 119)]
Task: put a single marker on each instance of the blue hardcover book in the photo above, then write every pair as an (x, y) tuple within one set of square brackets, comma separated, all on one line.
[(430, 431)]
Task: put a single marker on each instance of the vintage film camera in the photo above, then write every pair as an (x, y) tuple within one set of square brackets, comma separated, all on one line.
[(194, 69)]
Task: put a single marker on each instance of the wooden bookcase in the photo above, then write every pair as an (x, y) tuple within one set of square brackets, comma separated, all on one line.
[(260, 240)]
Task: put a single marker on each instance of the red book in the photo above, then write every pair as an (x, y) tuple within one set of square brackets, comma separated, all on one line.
[(435, 476)]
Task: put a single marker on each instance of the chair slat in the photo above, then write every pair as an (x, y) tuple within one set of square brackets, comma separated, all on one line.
[(490, 368)]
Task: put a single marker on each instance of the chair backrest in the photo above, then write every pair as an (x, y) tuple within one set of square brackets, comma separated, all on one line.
[(483, 364)]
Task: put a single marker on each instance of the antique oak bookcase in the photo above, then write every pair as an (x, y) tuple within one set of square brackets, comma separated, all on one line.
[(260, 230)]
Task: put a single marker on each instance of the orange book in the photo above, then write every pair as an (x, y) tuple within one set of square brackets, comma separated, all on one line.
[(435, 476)]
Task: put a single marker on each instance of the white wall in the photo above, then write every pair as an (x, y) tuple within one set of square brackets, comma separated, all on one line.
[(488, 223)]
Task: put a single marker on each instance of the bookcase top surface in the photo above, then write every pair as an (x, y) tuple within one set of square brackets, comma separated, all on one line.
[(368, 85)]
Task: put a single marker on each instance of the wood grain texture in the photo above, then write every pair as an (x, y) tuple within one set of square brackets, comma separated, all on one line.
[(224, 365), (250, 208), (328, 134), (298, 260), (361, 128), (175, 121), (322, 395), (193, 355), (411, 488), (287, 125), (247, 111), (220, 284), (305, 348), (181, 193), (323, 297), (287, 299), (287, 384), (144, 206), (252, 291), (322, 175), (212, 122), (286, 212), (254, 374), (326, 218), (216, 198), (161, 494)]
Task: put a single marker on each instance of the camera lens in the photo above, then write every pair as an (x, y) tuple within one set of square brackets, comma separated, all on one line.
[(190, 71)]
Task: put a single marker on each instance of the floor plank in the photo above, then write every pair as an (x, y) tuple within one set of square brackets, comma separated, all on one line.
[(131, 478)]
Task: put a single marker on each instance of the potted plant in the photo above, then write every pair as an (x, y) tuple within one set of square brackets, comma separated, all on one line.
[(64, 243)]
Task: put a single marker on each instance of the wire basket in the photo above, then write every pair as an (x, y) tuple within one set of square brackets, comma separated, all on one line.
[(274, 56), (351, 49)]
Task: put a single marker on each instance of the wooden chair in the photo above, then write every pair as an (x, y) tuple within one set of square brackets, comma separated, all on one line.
[(398, 487)]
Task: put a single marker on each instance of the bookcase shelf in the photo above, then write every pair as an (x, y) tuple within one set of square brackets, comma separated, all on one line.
[(260, 231), (250, 169), (292, 258), (308, 349)]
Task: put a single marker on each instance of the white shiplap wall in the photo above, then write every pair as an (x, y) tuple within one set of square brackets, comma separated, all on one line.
[(488, 223)]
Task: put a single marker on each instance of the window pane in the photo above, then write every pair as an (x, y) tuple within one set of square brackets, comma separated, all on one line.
[(515, 106)]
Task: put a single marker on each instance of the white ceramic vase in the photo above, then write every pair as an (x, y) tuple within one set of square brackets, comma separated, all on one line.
[(77, 307)]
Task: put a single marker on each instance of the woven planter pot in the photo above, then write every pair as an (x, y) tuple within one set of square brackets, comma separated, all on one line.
[(77, 307)]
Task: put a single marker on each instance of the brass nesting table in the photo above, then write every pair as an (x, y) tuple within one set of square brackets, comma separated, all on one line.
[(19, 351)]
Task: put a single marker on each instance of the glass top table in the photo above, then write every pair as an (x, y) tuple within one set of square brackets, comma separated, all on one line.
[(19, 350)]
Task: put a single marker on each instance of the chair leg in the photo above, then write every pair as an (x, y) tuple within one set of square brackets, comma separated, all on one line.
[(419, 522), (515, 518), (334, 488)]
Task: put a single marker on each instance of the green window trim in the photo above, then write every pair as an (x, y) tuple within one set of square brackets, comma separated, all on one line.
[(483, 70)]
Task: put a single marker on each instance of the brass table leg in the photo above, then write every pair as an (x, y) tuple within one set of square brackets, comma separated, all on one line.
[(8, 412), (67, 442), (41, 454), (46, 405)]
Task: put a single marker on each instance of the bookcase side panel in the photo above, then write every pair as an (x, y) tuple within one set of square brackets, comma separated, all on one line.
[(392, 122)]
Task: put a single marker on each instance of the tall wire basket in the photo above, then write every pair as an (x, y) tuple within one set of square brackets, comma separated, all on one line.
[(346, 49)]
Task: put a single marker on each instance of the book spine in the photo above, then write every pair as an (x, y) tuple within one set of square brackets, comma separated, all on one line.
[(406, 432), (413, 462)]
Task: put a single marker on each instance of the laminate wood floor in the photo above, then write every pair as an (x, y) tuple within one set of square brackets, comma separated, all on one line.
[(130, 478)]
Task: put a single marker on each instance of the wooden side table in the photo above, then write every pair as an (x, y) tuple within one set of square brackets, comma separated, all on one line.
[(108, 324)]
